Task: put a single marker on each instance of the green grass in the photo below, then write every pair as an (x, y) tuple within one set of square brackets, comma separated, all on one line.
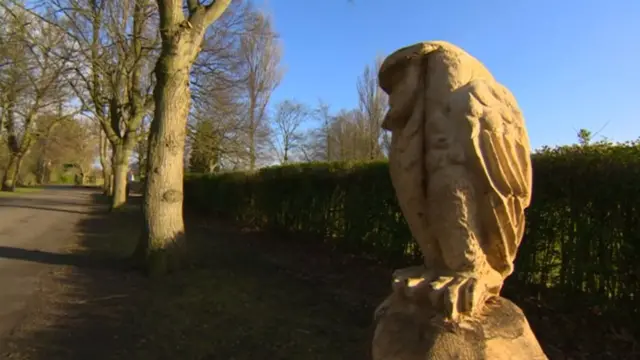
[(239, 302), (250, 296), (20, 191), (115, 234), (246, 314)]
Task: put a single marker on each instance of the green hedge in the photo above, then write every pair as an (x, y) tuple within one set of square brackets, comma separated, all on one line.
[(352, 206), (583, 229)]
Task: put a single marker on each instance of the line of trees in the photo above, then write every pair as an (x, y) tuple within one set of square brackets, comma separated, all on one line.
[(294, 132), (103, 87)]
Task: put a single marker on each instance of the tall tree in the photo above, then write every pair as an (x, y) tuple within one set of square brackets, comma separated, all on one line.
[(353, 134), (34, 82), (372, 102), (317, 142), (260, 53), (584, 137), (349, 136), (205, 150), (46, 129), (162, 242), (73, 144), (105, 162), (141, 147), (117, 42), (286, 134), (215, 122)]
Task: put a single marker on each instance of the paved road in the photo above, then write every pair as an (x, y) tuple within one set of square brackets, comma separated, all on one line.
[(35, 228)]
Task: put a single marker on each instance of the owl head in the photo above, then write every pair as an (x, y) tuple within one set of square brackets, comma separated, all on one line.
[(436, 67)]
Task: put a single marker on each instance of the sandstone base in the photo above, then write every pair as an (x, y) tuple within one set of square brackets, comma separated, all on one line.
[(406, 332)]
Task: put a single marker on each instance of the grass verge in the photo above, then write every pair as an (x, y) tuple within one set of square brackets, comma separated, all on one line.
[(244, 298), (247, 296), (20, 191)]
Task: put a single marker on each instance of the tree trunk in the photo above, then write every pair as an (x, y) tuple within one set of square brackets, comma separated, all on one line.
[(120, 170), (252, 150), (106, 174), (111, 181), (11, 174), (286, 154), (162, 245), (43, 178), (106, 187), (163, 242), (41, 171)]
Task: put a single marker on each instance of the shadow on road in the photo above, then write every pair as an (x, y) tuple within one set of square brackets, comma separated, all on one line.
[(44, 257), (89, 302), (255, 299), (43, 208), (74, 202), (253, 296), (70, 199)]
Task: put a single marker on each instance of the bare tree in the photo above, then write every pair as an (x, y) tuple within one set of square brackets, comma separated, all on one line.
[(216, 137), (116, 45), (317, 141), (141, 148), (105, 161), (46, 126), (352, 134), (62, 147), (286, 134), (260, 53), (72, 144), (34, 82), (349, 136), (204, 156), (162, 242), (372, 103), (215, 129)]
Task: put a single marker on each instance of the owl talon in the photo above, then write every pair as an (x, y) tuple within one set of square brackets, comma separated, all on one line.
[(460, 294), (412, 276)]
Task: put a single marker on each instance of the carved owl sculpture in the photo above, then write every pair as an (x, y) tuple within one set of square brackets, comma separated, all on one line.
[(461, 169)]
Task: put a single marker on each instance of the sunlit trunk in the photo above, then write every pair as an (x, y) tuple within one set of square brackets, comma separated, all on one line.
[(104, 163), (162, 245), (11, 173), (120, 170)]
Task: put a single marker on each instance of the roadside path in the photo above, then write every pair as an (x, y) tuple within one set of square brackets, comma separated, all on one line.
[(35, 229)]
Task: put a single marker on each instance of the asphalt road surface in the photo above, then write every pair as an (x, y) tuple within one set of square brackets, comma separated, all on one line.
[(35, 230)]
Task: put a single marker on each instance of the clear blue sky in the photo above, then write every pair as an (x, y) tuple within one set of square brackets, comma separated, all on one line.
[(570, 63)]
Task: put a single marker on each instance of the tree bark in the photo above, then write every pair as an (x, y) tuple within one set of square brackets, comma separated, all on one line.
[(162, 245), (106, 175), (120, 169), (110, 188), (11, 174), (41, 171), (252, 151), (43, 176), (106, 187), (252, 132)]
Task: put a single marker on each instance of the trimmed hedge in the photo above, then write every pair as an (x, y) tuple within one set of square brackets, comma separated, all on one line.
[(583, 226), (349, 205)]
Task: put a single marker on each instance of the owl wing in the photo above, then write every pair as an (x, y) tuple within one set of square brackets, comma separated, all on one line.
[(499, 151), (406, 165)]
